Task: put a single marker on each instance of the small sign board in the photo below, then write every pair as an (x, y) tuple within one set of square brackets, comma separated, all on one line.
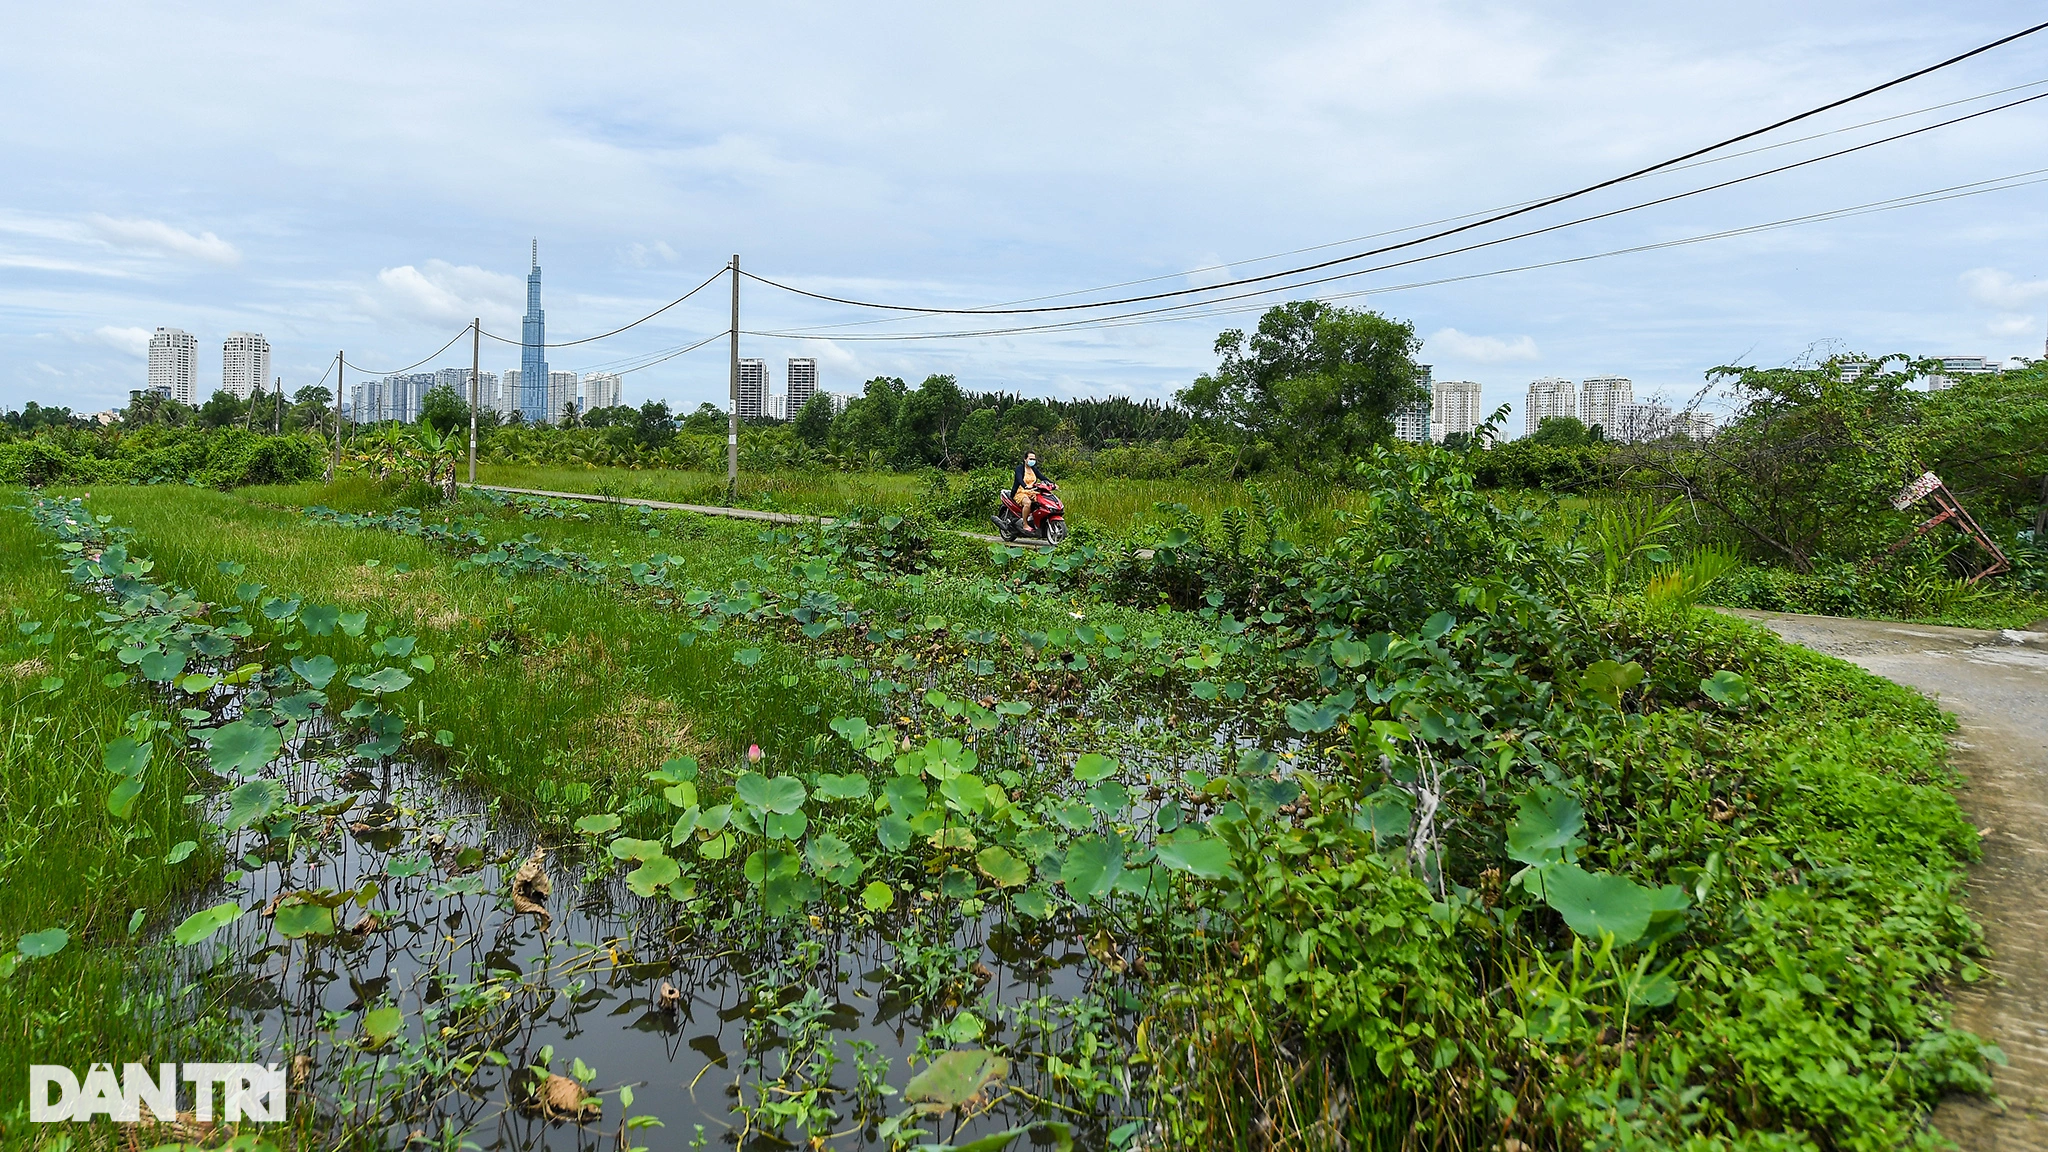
[(1916, 491)]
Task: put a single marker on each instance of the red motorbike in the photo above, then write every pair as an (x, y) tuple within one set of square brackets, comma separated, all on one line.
[(1047, 520)]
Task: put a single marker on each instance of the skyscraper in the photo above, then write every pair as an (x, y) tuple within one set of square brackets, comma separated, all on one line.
[(753, 389), (800, 385), (533, 355), (601, 390), (508, 393), (174, 364), (244, 364), (1602, 399), (1453, 409), (561, 396), (1411, 421), (1550, 396)]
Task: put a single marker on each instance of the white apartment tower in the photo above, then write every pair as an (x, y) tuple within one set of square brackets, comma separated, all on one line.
[(1453, 409), (174, 364), (802, 384), (1411, 421), (561, 395), (507, 400), (753, 399), (1550, 396), (602, 390), (1603, 400), (244, 364)]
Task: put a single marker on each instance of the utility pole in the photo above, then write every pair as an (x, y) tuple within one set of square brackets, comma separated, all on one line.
[(476, 329), (340, 372), (277, 409), (732, 429)]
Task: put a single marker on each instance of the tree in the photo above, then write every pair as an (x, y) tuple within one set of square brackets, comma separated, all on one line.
[(814, 420), (867, 429), (653, 425), (569, 417), (708, 419), (1561, 431), (1314, 385), (147, 407), (444, 409), (222, 411), (927, 426)]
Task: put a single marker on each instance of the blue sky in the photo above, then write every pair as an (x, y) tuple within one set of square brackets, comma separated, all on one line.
[(367, 177)]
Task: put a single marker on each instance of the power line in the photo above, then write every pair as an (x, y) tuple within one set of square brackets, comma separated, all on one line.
[(1438, 235), (653, 358), (1185, 312), (623, 327), (414, 364), (1250, 260)]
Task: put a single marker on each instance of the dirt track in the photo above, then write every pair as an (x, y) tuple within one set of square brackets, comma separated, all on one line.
[(1996, 683)]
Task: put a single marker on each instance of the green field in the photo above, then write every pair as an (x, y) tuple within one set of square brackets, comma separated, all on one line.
[(1444, 831)]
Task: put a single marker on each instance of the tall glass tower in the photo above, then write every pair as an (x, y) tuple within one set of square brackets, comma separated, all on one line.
[(533, 356)]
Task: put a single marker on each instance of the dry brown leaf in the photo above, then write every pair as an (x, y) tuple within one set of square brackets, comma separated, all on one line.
[(530, 887), (561, 1096)]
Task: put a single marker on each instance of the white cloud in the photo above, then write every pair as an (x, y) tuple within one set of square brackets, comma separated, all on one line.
[(1455, 345), (2001, 289), (446, 293), (134, 341), (155, 235), (641, 255)]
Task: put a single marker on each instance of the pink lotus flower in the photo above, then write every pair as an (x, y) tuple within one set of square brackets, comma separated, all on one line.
[(753, 753)]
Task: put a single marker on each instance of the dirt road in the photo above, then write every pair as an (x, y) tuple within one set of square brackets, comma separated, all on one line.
[(1996, 683)]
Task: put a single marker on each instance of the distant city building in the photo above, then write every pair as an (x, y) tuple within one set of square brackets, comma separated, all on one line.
[(367, 402), (1411, 420), (778, 406), (174, 364), (800, 385), (244, 364), (602, 390), (507, 401), (405, 394), (561, 396), (841, 399), (1851, 369), (1953, 367), (1693, 425), (1640, 423), (753, 398), (534, 380), (103, 419), (458, 379), (1548, 397), (1601, 399), (1453, 409)]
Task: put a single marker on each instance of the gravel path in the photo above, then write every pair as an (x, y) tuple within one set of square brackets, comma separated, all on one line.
[(1996, 683)]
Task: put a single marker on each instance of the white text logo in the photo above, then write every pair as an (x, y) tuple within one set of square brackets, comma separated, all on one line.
[(252, 1092)]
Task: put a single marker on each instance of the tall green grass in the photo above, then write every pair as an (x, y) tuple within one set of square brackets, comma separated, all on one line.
[(65, 862)]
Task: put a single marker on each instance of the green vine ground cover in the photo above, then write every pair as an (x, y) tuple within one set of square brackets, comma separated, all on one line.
[(1406, 843)]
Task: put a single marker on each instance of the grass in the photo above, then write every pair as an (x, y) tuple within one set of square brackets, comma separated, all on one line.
[(1114, 505), (65, 862), (1781, 817)]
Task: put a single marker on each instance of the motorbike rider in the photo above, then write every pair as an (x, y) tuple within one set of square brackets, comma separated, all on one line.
[(1024, 486)]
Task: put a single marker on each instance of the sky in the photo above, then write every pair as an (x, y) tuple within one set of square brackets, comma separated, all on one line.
[(369, 177)]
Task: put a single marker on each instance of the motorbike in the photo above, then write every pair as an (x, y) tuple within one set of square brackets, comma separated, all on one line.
[(1047, 521)]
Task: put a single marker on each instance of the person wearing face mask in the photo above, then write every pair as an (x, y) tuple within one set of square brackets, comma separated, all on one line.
[(1024, 486)]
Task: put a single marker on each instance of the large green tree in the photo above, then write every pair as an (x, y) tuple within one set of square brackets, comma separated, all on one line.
[(1314, 385)]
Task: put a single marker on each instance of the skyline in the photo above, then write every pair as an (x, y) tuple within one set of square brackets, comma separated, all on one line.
[(360, 235)]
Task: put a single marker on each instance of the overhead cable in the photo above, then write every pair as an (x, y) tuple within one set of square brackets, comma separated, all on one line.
[(414, 364), (1185, 312), (1442, 233), (621, 328)]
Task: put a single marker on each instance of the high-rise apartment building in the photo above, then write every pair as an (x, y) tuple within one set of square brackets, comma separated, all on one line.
[(1641, 423), (174, 364), (562, 397), (1550, 396), (1693, 424), (533, 354), (399, 401), (244, 364), (1953, 367), (602, 390), (800, 385), (753, 400), (1601, 400), (1453, 409), (367, 403), (508, 394), (1411, 420)]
